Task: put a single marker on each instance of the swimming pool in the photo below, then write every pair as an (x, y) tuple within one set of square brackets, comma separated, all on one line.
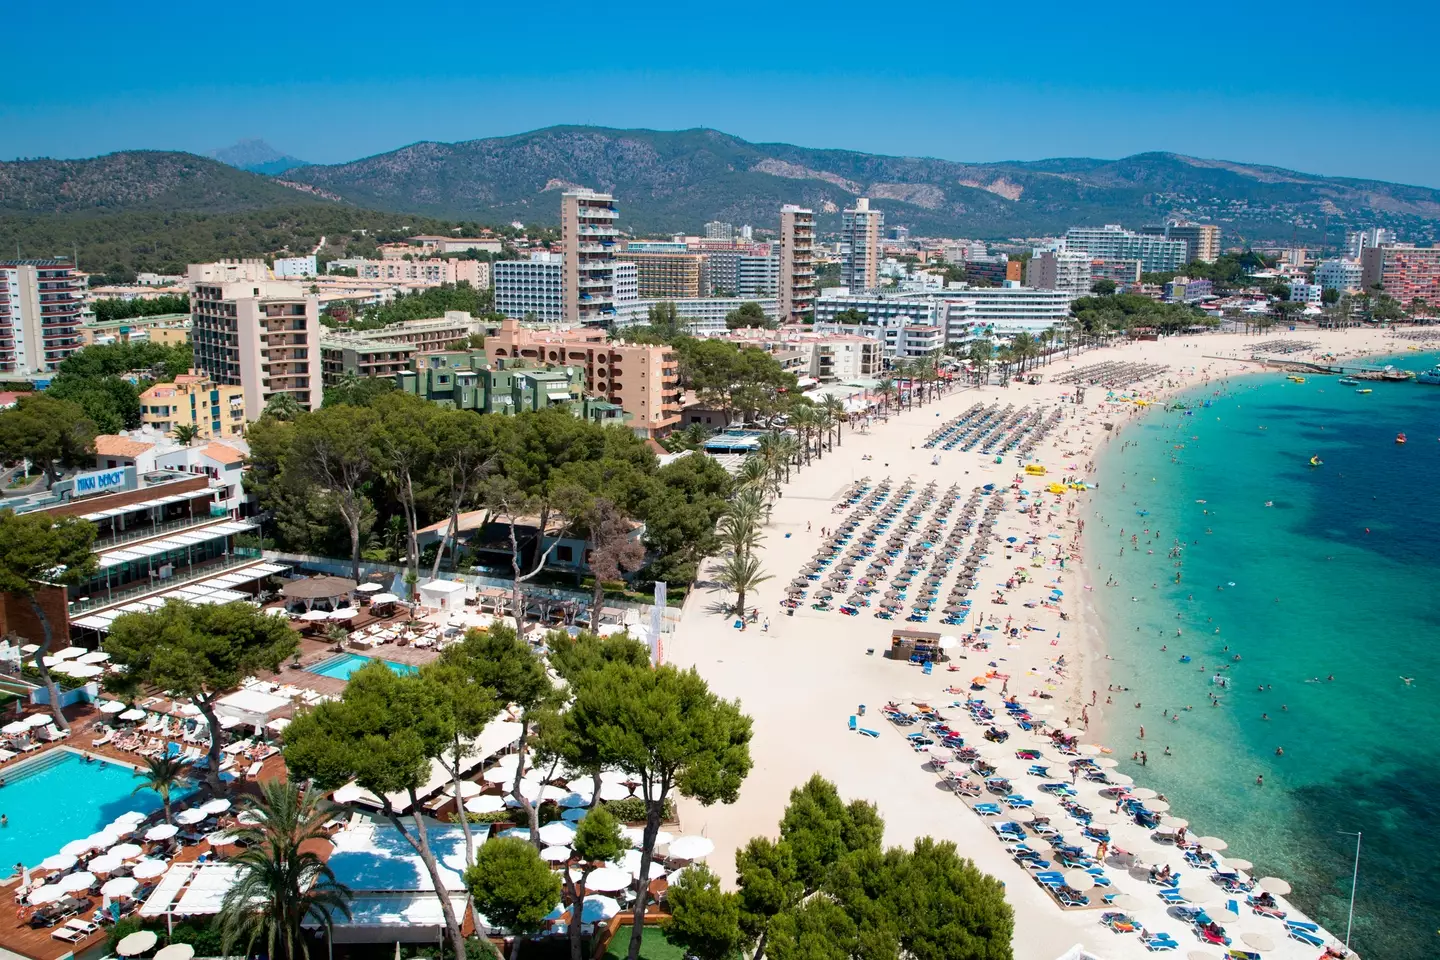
[(58, 797), (342, 665)]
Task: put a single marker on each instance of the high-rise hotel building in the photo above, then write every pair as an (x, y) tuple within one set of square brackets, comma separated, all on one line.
[(588, 238), (860, 230), (797, 264), (40, 305)]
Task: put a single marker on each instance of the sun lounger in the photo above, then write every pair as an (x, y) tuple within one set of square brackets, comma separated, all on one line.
[(852, 723), (253, 771), (68, 934), (869, 733), (1304, 936), (1158, 942)]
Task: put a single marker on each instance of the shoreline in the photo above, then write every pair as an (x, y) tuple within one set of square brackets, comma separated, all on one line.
[(801, 678)]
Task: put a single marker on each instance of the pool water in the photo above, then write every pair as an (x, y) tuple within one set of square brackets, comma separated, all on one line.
[(342, 665), (58, 797)]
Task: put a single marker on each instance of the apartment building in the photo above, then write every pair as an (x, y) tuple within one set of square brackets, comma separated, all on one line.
[(467, 380), (1361, 240), (757, 277), (1000, 311), (294, 268), (1338, 274), (434, 244), (719, 230), (1403, 271), (1301, 292), (531, 288), (1121, 272), (1191, 289), (1067, 270), (705, 316), (860, 234), (216, 411), (588, 239), (992, 268), (1114, 242), (386, 351), (254, 332), (824, 357), (665, 276), (797, 264), (41, 307), (474, 272), (643, 379), (1202, 240), (164, 328)]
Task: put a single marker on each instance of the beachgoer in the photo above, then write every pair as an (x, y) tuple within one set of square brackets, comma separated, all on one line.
[(1279, 751), (1260, 780)]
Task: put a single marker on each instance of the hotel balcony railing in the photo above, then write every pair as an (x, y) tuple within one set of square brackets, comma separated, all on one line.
[(238, 557), (603, 213), (154, 530)]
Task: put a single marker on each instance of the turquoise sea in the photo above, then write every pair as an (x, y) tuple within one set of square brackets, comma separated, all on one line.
[(1303, 572)]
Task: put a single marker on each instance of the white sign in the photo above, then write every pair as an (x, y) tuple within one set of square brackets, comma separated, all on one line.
[(99, 481)]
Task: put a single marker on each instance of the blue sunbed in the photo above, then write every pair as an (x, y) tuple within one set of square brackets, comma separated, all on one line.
[(852, 723), (869, 733)]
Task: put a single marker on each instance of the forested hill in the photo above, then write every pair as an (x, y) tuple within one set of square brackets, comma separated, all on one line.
[(677, 180)]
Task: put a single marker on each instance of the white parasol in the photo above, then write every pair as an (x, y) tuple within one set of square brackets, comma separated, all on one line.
[(105, 863), (163, 831), (112, 706), (557, 833), (59, 861), (134, 713), (149, 869), (188, 818), (691, 848), (1079, 880), (75, 882), (485, 803), (119, 887), (1258, 941), (1237, 863), (218, 805), (46, 894), (137, 943), (608, 880), (556, 854), (1143, 793), (126, 851), (175, 951), (1275, 885)]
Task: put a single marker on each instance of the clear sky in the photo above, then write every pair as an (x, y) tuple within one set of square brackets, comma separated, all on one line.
[(1346, 89)]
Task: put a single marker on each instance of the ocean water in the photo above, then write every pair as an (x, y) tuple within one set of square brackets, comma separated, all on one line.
[(1288, 575)]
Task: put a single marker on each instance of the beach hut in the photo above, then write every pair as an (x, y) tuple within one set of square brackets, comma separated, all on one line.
[(329, 593), (918, 645)]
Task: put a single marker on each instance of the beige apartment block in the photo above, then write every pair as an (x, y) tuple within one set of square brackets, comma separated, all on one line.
[(797, 264)]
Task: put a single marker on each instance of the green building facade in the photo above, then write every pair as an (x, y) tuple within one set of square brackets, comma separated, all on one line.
[(465, 380)]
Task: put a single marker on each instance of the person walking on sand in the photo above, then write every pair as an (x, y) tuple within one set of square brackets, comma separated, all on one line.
[(1142, 731)]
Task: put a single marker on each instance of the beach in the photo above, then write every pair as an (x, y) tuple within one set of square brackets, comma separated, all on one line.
[(803, 678)]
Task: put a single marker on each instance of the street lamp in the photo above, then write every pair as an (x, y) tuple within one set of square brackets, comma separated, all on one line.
[(1354, 882)]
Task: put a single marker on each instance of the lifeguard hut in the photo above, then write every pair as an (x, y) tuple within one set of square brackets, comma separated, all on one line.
[(916, 646)]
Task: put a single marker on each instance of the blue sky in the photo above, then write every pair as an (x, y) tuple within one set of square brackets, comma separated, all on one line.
[(1344, 89)]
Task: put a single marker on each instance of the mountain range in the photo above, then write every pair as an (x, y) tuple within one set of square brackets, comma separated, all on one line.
[(257, 156), (675, 181)]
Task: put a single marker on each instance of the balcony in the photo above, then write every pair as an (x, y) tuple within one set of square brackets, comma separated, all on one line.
[(150, 531), (597, 213), (238, 557)]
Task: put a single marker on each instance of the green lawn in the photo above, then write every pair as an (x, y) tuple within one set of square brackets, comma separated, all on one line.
[(653, 946)]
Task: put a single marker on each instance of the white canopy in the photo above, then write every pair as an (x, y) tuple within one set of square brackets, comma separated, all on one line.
[(442, 595), (250, 706)]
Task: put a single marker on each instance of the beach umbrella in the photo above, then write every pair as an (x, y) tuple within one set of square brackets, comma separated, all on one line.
[(485, 803), (557, 833), (76, 847), (573, 814), (175, 951), (134, 713), (1258, 941), (103, 839), (1144, 793), (314, 616), (1121, 779), (127, 821), (46, 894), (556, 854), (608, 880), (38, 720), (163, 831), (15, 729), (1157, 806), (1022, 816), (1194, 892), (1039, 844), (1107, 762), (691, 848), (149, 869), (105, 863), (126, 851), (599, 908), (75, 882), (1237, 863), (1089, 750), (59, 861), (112, 706), (136, 943), (1213, 844), (1122, 901), (1079, 880), (1174, 823), (218, 805), (189, 818), (1222, 914), (119, 887), (631, 864), (614, 791), (1275, 885)]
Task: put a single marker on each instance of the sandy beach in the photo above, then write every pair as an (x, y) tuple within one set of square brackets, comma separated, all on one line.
[(803, 678)]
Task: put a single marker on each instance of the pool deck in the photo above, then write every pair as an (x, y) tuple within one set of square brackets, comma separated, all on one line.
[(313, 651)]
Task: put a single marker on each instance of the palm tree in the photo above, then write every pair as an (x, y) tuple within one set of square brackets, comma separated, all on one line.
[(788, 449), (163, 775), (280, 886), (754, 474), (741, 574), (803, 420), (835, 407), (823, 422), (886, 389), (981, 356), (185, 434), (283, 406), (900, 370)]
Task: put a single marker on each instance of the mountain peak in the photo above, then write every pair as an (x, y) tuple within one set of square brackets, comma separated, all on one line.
[(257, 156)]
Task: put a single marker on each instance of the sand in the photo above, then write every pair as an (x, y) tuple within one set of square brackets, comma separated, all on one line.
[(802, 679)]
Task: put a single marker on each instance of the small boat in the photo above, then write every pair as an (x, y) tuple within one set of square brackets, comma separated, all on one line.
[(1348, 381), (1316, 461), (1295, 379), (1364, 390), (1431, 376), (1400, 438)]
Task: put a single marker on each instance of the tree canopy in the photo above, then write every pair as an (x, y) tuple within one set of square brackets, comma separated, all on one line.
[(52, 434), (513, 888)]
